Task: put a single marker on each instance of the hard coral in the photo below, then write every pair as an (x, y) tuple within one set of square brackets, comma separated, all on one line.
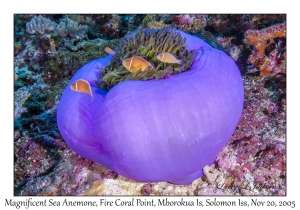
[(31, 160), (264, 110), (147, 44), (189, 23), (20, 96), (259, 20), (82, 19), (112, 27), (212, 40), (156, 24), (259, 38), (72, 176), (35, 104), (147, 19), (269, 55), (156, 20), (255, 156)]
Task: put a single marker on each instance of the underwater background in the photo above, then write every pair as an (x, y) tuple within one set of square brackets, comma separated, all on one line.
[(45, 58)]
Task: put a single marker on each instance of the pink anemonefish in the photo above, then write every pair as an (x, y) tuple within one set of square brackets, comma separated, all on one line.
[(168, 58), (109, 51), (82, 86), (136, 63)]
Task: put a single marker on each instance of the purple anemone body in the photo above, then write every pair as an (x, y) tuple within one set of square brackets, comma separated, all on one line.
[(156, 130)]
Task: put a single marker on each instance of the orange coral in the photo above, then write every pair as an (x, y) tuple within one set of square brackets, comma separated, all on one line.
[(50, 194), (268, 56), (259, 38)]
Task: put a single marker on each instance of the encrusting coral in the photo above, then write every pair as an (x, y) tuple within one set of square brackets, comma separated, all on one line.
[(147, 44), (156, 24), (259, 38), (21, 95), (190, 23), (269, 55), (82, 19)]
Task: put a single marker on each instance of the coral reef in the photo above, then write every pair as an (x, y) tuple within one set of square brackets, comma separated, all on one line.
[(82, 19), (64, 62), (156, 21), (252, 163), (264, 110), (131, 22), (114, 26), (73, 175), (64, 28), (35, 104), (146, 189), (259, 38), (156, 24), (213, 41), (230, 29), (262, 20), (259, 166), (40, 24), (31, 160), (237, 24), (269, 56), (192, 23), (20, 96), (69, 27), (146, 20)]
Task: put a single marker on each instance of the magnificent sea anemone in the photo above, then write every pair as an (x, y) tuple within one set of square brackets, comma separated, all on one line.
[(161, 129), (147, 44)]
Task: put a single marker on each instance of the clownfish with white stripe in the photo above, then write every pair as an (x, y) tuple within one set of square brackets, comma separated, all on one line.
[(136, 63), (109, 51), (82, 86), (168, 58)]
